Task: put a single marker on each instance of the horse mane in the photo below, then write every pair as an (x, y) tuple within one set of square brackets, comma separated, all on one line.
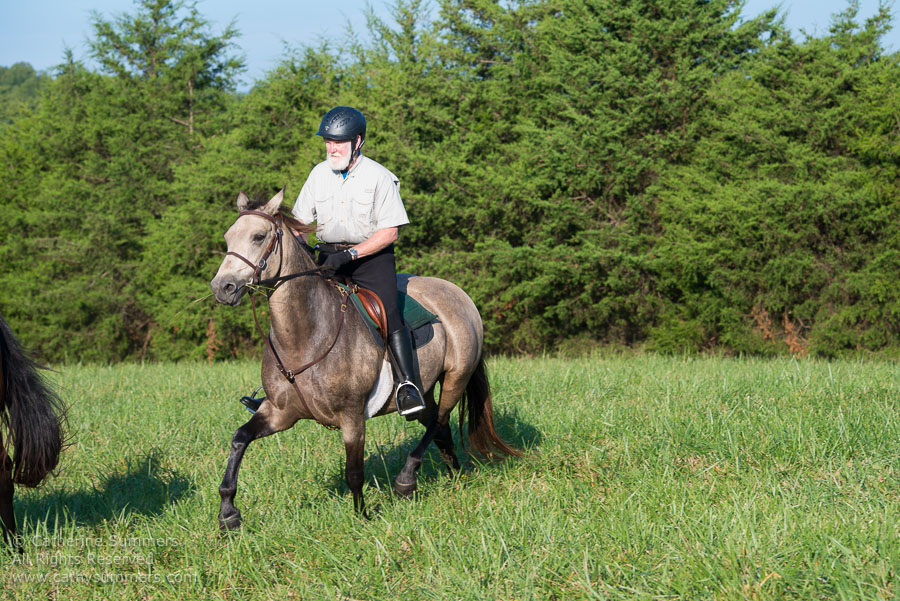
[(294, 223), (286, 216)]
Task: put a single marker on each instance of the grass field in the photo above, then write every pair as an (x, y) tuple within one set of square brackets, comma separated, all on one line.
[(647, 478)]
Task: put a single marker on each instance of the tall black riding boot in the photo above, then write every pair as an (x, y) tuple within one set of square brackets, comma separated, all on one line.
[(409, 397)]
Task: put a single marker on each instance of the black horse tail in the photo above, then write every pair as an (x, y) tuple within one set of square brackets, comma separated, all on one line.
[(476, 405), (31, 412)]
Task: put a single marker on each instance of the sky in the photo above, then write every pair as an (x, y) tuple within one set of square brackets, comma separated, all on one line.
[(39, 31)]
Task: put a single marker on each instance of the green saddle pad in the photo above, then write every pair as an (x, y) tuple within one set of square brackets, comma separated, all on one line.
[(414, 314)]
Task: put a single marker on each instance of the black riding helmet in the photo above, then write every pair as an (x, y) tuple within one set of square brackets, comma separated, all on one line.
[(344, 123)]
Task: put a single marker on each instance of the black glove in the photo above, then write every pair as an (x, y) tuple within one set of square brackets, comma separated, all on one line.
[(335, 261)]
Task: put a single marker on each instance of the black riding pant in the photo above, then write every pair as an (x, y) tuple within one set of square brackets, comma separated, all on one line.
[(376, 272)]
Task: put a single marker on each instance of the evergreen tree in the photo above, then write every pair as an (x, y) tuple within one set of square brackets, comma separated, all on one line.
[(569, 111), (589, 171), (107, 146), (781, 232)]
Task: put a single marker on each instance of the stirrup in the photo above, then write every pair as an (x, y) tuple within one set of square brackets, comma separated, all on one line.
[(253, 402), (410, 410)]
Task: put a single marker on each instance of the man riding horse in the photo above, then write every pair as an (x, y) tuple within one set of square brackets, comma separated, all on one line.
[(356, 205)]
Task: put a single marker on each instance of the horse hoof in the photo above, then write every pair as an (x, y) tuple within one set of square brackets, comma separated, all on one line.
[(405, 490), (230, 522)]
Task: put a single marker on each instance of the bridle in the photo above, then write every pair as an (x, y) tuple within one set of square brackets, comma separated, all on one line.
[(256, 283), (274, 243)]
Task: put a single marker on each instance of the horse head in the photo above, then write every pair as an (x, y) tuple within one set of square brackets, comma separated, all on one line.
[(253, 238)]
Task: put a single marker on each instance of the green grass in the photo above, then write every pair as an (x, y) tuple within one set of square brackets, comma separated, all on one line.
[(648, 478)]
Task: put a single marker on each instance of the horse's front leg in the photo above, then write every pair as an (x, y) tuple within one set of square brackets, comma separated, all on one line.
[(262, 424), (354, 434)]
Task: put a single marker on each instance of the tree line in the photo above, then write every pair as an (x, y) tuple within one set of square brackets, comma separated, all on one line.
[(673, 175)]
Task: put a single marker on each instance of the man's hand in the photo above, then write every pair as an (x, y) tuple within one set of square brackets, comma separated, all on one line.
[(335, 261)]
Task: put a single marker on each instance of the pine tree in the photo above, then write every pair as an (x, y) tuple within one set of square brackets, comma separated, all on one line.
[(107, 147), (781, 231)]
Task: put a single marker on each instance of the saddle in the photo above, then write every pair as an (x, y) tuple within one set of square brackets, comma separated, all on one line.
[(371, 308)]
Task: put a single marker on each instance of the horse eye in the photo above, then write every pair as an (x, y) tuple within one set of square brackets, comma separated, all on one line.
[(259, 237)]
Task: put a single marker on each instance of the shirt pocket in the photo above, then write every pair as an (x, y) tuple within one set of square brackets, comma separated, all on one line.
[(363, 207), (325, 210)]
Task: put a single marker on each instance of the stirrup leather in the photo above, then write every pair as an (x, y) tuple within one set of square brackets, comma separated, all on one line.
[(410, 410)]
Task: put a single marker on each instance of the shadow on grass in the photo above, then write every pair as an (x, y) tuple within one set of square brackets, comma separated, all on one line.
[(383, 466), (142, 487)]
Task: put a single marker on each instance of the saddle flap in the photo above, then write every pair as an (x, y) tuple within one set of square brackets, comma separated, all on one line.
[(375, 309)]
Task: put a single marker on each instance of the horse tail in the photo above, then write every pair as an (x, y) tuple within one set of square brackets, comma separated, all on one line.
[(31, 412), (476, 406)]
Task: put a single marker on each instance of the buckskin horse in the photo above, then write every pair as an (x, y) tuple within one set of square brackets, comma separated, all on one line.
[(32, 418), (338, 362)]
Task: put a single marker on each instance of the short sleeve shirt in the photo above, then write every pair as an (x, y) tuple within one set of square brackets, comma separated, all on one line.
[(350, 210)]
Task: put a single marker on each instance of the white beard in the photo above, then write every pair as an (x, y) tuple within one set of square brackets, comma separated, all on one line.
[(338, 163)]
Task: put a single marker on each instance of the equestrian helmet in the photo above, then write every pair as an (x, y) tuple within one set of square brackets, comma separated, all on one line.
[(343, 123)]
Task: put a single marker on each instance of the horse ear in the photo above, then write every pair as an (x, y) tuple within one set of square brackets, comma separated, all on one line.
[(274, 204), (242, 202)]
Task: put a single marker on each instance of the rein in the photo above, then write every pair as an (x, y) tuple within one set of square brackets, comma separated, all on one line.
[(289, 374)]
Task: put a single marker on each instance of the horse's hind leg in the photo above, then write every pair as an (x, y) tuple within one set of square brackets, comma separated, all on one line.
[(438, 430), (444, 441), (452, 389), (443, 438), (405, 483), (260, 425)]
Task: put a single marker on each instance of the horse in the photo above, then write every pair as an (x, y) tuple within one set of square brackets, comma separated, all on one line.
[(33, 417), (310, 324)]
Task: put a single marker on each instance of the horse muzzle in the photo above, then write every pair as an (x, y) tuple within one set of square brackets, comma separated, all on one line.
[(228, 290)]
